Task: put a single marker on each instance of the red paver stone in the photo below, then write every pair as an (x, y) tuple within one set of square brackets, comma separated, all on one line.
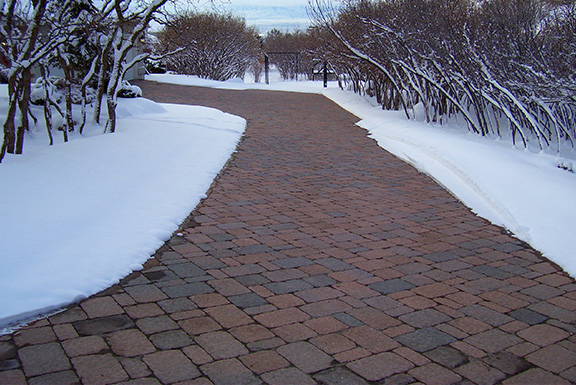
[(543, 335), (480, 373), (535, 377), (101, 307), (210, 300), (380, 366), (13, 377), (229, 372), (228, 316), (288, 376), (130, 343), (333, 343), (294, 332), (171, 366), (326, 325), (281, 317), (264, 361), (371, 339), (251, 333), (305, 356), (554, 358), (84, 346), (199, 325), (99, 369), (433, 374), (221, 345)]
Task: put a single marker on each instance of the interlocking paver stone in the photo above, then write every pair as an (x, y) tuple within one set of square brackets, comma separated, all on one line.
[(171, 366), (305, 356), (425, 339), (339, 376), (316, 257), (391, 286), (99, 369), (380, 366), (221, 345), (103, 325), (42, 359), (130, 343), (229, 372), (493, 340)]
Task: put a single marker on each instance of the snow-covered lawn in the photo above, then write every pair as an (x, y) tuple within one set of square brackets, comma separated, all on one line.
[(77, 217)]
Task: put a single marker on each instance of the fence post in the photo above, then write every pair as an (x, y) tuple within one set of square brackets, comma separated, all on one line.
[(267, 68), (325, 69)]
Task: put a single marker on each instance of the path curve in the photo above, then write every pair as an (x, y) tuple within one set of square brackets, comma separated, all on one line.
[(317, 258)]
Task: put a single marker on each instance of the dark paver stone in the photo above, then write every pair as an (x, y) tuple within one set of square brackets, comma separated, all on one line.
[(425, 318), (391, 286), (320, 280), (334, 264), (9, 364), (508, 247), (491, 271), (253, 249), (339, 376), (441, 257), (187, 290), (103, 325), (172, 339), (61, 378), (43, 359), (487, 315), (447, 356), (424, 340), (7, 351), (508, 363), (290, 263), (252, 280), (287, 287), (528, 316), (348, 319), (160, 275), (187, 270), (248, 300)]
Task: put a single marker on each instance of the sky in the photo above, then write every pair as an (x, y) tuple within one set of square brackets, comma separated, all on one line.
[(284, 15)]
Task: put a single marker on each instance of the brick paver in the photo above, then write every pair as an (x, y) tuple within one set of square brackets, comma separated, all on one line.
[(317, 258)]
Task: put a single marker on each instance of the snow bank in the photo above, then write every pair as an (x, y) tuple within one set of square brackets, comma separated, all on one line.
[(78, 217)]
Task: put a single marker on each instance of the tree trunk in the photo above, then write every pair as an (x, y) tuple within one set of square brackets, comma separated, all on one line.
[(111, 123)]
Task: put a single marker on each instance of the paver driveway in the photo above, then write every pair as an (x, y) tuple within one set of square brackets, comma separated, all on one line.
[(317, 258)]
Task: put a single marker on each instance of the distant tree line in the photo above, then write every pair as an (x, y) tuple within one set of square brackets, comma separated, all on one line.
[(214, 45), (507, 67), (88, 40), (222, 46)]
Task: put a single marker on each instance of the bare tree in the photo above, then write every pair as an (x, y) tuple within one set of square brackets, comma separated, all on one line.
[(215, 46), (437, 54)]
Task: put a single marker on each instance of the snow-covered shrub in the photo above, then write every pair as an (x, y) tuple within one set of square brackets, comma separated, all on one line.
[(564, 164), (56, 88), (38, 92), (155, 66), (129, 91)]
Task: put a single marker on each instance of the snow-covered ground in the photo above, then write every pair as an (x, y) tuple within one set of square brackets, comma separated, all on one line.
[(77, 217)]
